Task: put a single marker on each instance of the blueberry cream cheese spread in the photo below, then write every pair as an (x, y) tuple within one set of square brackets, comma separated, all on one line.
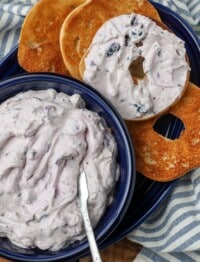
[(123, 41), (45, 139)]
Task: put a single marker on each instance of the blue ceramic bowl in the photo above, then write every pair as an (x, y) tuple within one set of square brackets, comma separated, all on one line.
[(125, 186)]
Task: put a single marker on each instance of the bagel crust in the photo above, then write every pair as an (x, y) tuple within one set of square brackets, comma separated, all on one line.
[(109, 66)]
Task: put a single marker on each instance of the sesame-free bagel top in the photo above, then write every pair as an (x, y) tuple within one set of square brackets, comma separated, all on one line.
[(39, 49), (124, 40), (81, 25)]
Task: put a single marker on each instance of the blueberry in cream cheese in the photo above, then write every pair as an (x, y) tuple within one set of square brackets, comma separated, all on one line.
[(121, 42), (45, 139)]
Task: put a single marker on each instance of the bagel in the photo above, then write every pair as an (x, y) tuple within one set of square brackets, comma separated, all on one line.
[(39, 49), (139, 66), (81, 25), (163, 159)]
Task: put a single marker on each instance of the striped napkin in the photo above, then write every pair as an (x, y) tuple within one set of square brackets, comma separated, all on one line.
[(172, 232), (12, 14)]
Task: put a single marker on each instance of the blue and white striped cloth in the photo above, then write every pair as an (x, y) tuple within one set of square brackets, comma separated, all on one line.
[(172, 232), (12, 13)]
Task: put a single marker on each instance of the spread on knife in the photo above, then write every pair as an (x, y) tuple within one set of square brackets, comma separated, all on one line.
[(45, 139), (123, 41)]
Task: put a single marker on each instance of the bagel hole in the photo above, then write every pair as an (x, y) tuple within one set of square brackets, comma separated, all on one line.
[(136, 69), (169, 126)]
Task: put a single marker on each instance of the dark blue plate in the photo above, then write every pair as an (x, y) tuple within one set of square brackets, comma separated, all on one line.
[(148, 194)]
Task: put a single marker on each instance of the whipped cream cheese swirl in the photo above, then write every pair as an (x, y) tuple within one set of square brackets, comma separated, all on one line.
[(45, 138), (121, 41)]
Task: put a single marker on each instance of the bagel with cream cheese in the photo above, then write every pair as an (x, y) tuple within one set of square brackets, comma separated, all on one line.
[(139, 66)]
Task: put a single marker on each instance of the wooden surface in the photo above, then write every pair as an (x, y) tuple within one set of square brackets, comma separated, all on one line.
[(3, 260), (123, 251)]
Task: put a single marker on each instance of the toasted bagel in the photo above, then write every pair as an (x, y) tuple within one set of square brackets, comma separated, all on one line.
[(163, 159), (39, 49)]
